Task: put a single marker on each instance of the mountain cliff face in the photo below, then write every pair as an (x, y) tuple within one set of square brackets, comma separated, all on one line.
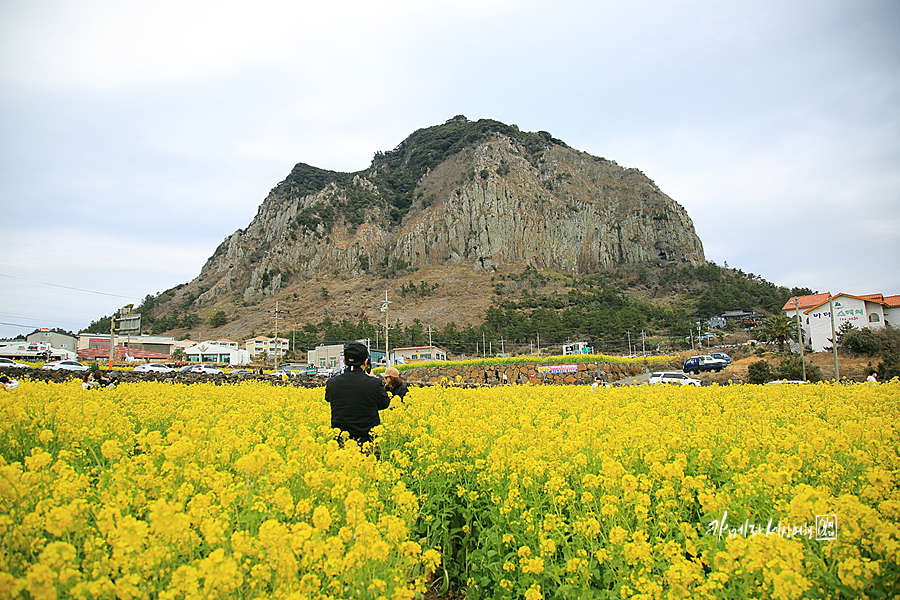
[(481, 195)]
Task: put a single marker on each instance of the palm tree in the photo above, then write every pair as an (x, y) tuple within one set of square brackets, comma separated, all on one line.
[(779, 329)]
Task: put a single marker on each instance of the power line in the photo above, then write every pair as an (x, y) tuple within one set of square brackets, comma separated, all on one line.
[(38, 319), (15, 324), (68, 287)]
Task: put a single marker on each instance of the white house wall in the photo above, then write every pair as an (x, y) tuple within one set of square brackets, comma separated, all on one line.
[(817, 322), (892, 316)]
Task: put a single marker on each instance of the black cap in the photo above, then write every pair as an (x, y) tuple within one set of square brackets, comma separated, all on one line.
[(355, 354)]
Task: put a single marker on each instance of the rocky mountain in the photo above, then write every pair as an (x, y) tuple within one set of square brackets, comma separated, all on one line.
[(468, 198)]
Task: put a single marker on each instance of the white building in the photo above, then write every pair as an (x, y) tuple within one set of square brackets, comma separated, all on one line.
[(870, 311), (266, 346), (206, 352), (417, 353), (35, 351), (55, 339), (326, 356)]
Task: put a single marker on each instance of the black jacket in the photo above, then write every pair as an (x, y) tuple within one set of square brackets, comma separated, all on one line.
[(400, 390), (355, 400)]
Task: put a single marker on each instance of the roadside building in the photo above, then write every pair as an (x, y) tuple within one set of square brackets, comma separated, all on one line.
[(63, 341), (262, 346), (717, 321), (206, 352), (332, 355), (325, 356), (862, 312), (745, 318), (417, 353), (224, 342), (892, 311), (34, 351)]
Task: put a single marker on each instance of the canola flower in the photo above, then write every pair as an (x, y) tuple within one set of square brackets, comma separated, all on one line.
[(658, 492), (168, 491)]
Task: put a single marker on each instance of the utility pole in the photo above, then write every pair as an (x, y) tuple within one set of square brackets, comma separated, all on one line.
[(387, 344), (483, 345), (539, 344), (502, 349), (837, 375), (800, 336), (629, 340), (429, 336), (277, 312), (643, 343), (112, 338)]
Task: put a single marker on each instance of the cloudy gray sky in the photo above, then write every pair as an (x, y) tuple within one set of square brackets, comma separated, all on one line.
[(134, 137)]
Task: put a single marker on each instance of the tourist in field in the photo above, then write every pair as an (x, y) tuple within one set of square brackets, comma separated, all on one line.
[(106, 380), (88, 382), (356, 396), (393, 383), (7, 383)]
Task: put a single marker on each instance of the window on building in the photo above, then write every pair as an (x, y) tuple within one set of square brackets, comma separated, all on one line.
[(874, 318)]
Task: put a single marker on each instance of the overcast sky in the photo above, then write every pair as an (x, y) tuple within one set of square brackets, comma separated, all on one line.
[(134, 137)]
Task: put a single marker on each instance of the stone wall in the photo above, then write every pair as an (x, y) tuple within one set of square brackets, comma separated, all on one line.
[(528, 373), (522, 373)]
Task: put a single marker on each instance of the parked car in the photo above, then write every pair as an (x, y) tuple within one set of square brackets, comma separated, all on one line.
[(65, 365), (721, 356), (153, 368), (239, 372), (207, 369), (329, 371), (6, 362), (284, 371), (676, 377), (185, 369), (701, 364)]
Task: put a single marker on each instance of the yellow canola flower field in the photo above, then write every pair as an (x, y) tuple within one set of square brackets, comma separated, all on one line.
[(169, 491), (154, 490)]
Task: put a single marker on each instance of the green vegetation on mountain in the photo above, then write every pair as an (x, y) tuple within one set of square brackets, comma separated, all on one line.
[(397, 172), (598, 307), (602, 309)]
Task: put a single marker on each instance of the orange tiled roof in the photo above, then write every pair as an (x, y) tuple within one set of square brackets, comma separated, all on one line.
[(892, 301), (805, 302)]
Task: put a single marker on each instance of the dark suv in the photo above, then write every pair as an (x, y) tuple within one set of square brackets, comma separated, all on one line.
[(698, 364)]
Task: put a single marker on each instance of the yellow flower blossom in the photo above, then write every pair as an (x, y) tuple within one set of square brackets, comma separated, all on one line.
[(202, 491)]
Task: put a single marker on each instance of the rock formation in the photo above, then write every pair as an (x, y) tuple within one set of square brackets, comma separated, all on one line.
[(482, 194)]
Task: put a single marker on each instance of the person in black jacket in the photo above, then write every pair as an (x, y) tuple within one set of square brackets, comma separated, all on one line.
[(393, 383), (356, 396)]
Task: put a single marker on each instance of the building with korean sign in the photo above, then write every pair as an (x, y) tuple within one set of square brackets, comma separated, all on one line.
[(870, 311)]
